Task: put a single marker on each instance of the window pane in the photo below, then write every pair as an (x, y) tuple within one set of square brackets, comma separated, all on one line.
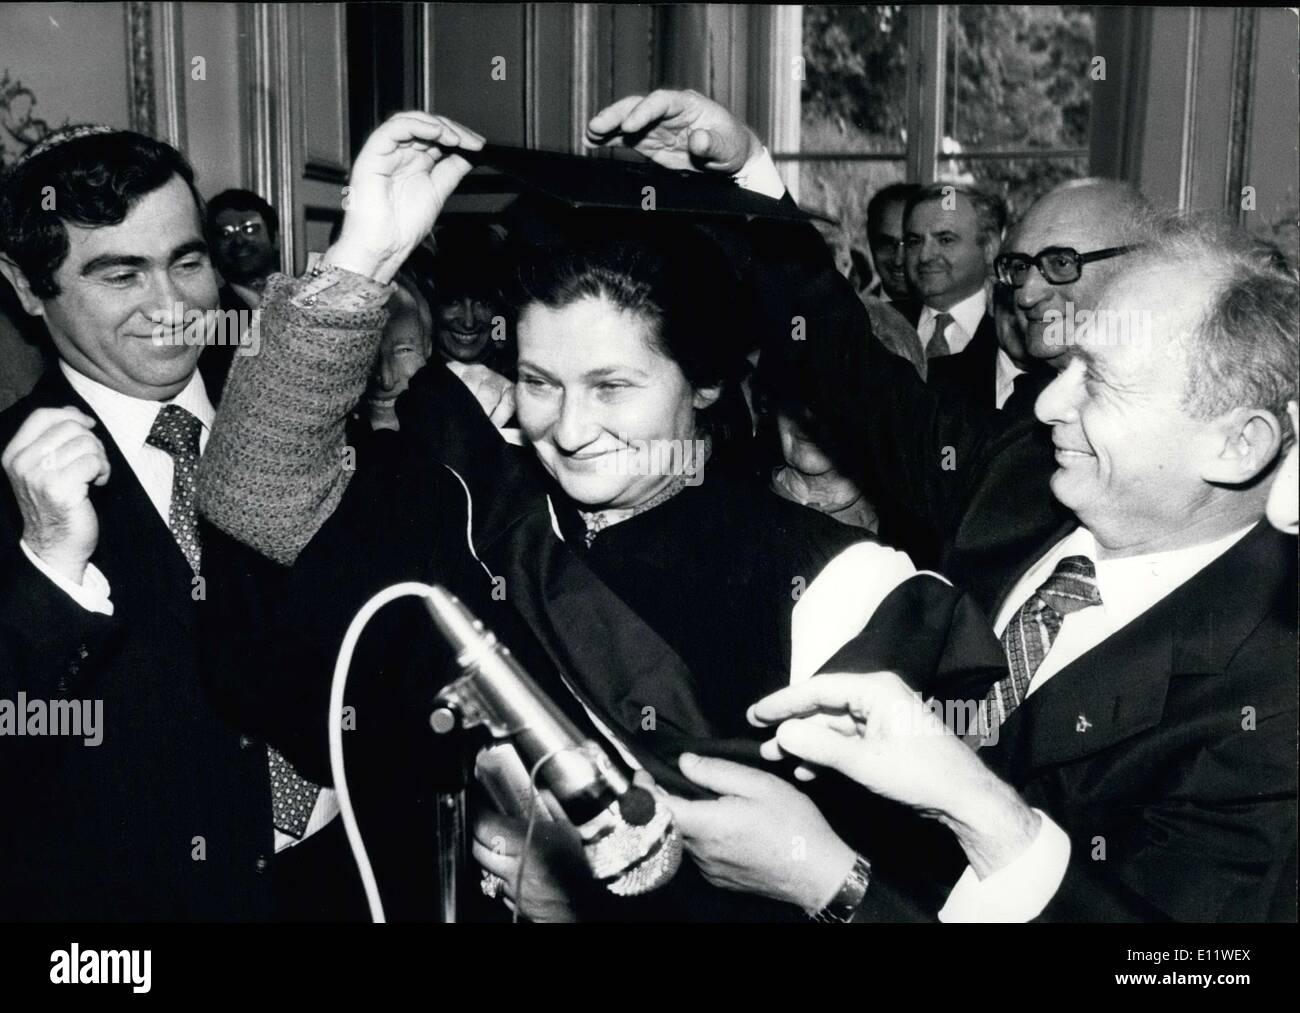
[(1018, 77), (1020, 181), (841, 190), (854, 94)]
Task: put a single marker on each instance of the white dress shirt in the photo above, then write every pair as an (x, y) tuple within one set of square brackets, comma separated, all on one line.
[(1007, 372), (129, 420), (966, 317), (1128, 586)]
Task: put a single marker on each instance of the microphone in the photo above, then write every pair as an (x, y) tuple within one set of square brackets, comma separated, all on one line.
[(629, 839)]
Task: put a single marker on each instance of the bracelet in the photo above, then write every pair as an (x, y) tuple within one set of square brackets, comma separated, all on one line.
[(848, 899)]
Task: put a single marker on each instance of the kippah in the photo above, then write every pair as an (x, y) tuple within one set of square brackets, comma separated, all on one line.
[(62, 136)]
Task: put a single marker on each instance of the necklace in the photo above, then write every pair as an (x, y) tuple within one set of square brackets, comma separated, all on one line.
[(597, 521)]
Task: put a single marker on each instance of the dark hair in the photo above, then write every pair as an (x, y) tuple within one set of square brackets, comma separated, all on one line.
[(990, 209), (242, 200), (895, 193), (94, 180), (674, 276)]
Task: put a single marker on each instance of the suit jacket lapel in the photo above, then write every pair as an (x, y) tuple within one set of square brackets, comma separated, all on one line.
[(1119, 688), (1023, 567)]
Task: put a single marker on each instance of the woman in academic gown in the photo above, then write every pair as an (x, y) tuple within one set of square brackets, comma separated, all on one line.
[(666, 588)]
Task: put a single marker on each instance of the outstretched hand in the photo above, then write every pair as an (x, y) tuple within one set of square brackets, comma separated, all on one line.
[(873, 728), (676, 129), (399, 184)]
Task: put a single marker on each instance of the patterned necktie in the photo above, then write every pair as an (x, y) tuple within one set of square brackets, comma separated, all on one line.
[(938, 340), (1033, 629), (177, 432)]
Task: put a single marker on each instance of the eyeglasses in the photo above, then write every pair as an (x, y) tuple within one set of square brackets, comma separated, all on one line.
[(248, 228), (1059, 265)]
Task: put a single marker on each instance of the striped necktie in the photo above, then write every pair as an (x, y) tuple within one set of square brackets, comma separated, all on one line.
[(177, 432), (1033, 629)]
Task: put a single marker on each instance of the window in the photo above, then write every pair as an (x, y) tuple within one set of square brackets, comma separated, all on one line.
[(997, 95)]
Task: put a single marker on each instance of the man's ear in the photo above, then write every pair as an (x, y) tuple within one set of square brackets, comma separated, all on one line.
[(14, 275), (705, 397), (1246, 440)]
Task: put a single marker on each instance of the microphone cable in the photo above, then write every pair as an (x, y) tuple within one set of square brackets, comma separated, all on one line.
[(338, 684)]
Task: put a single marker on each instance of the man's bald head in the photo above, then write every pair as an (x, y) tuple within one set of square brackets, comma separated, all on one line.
[(1084, 215)]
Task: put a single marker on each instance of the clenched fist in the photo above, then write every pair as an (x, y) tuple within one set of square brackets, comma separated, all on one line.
[(51, 462)]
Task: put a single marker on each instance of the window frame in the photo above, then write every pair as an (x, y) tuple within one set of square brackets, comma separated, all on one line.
[(927, 37)]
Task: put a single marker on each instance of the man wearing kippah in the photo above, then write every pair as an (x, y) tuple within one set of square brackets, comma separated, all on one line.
[(128, 797)]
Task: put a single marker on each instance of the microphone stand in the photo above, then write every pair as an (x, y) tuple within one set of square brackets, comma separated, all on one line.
[(450, 831)]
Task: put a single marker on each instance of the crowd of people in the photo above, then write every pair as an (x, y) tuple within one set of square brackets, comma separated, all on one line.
[(970, 600)]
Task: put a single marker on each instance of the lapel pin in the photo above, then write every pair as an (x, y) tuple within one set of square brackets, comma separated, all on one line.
[(1083, 724)]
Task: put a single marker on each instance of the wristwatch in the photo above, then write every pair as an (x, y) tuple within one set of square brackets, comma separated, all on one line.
[(848, 899)]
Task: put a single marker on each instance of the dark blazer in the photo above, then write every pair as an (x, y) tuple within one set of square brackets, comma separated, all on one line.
[(168, 817), (1167, 752), (970, 373)]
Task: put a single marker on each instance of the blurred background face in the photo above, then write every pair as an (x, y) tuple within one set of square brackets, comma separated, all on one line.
[(946, 260), (403, 349), (591, 383), (1129, 456), (1070, 220), (122, 283), (888, 253), (798, 449), (463, 326), (244, 249)]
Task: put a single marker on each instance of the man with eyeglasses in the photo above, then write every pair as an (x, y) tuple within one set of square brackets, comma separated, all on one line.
[(244, 231), (244, 236), (885, 237), (1069, 245)]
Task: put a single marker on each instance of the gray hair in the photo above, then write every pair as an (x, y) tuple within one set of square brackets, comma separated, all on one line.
[(990, 209), (1243, 350)]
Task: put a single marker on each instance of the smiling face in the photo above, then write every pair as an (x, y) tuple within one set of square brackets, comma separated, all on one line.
[(1132, 463), (121, 283), (404, 348), (947, 258), (1085, 219), (887, 250), (464, 327), (594, 389)]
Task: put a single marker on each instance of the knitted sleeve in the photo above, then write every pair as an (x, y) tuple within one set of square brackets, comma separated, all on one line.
[(276, 464)]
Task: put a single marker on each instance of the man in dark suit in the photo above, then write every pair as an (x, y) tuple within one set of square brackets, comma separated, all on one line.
[(170, 814), (1140, 755), (1086, 227), (951, 234)]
